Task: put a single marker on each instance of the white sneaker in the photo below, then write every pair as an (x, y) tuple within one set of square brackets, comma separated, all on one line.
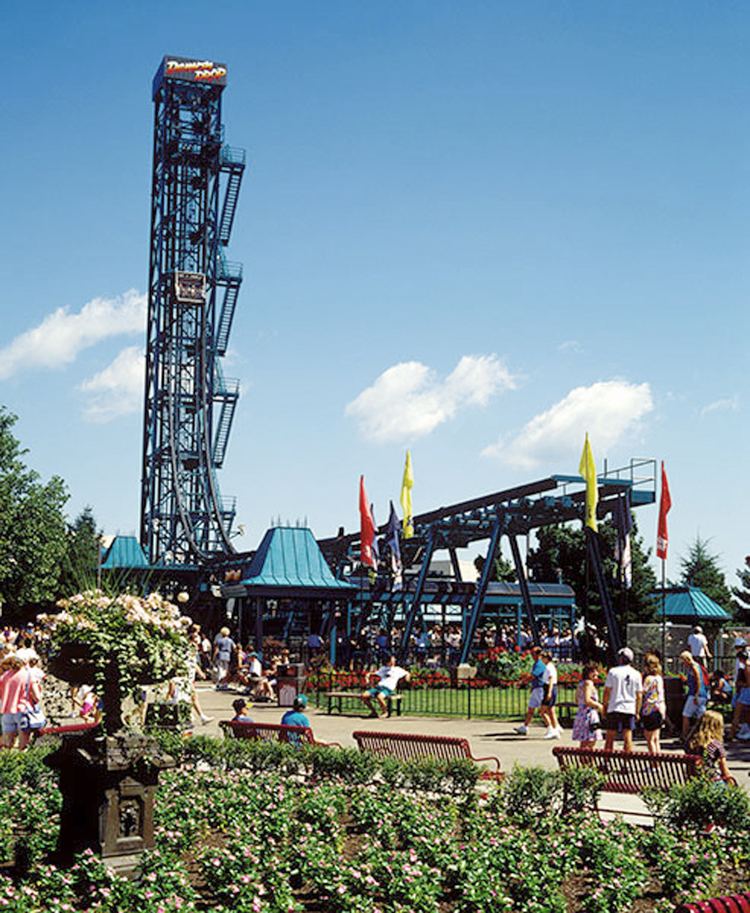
[(552, 734), (522, 729), (744, 734), (206, 719)]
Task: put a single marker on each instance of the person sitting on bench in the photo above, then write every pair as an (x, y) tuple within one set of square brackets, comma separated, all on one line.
[(390, 675)]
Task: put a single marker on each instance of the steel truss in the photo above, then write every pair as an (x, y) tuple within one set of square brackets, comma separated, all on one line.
[(189, 405), (511, 513)]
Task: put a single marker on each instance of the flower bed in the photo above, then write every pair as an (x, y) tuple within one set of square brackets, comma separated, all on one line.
[(244, 827)]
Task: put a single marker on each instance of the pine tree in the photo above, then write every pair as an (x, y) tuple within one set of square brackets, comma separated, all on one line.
[(701, 568), (82, 554), (742, 593), (561, 554)]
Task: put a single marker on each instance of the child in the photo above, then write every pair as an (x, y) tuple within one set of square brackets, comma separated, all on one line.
[(240, 711), (708, 742), (549, 680)]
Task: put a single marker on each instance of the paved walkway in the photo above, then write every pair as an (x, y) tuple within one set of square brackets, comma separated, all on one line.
[(486, 737)]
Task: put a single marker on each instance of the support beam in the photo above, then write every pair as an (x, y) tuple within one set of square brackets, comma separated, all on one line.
[(595, 561), (259, 626), (470, 622), (455, 565), (415, 604), (524, 585)]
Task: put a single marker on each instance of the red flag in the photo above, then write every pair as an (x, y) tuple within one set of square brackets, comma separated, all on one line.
[(662, 535), (366, 528)]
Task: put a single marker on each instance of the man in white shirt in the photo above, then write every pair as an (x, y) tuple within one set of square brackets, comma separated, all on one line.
[(698, 645), (623, 693), (390, 675)]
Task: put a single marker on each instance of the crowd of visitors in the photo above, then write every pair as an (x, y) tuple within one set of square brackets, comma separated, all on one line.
[(632, 698)]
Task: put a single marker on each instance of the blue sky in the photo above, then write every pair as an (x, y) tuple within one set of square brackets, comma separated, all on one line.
[(471, 229)]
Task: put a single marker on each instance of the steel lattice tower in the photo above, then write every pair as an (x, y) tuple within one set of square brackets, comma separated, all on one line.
[(193, 289)]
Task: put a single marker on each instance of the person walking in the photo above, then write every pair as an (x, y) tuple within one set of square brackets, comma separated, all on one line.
[(536, 694), (224, 649), (588, 716), (547, 710), (623, 693), (697, 683), (653, 706), (698, 645)]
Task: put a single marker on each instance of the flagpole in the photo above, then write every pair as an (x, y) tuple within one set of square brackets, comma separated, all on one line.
[(663, 613)]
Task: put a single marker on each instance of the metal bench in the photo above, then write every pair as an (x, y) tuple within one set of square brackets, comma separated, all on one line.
[(731, 903), (273, 732), (338, 697), (406, 746), (629, 773), (70, 729)]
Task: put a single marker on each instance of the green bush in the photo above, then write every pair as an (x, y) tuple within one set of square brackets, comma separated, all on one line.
[(695, 805), (530, 794)]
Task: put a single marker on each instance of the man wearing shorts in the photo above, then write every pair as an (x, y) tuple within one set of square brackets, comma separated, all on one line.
[(389, 677), (536, 696), (623, 693)]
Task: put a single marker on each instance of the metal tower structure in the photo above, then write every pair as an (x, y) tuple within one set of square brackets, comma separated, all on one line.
[(193, 289)]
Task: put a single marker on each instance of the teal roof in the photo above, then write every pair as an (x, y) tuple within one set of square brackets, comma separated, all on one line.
[(690, 602), (289, 557), (124, 552)]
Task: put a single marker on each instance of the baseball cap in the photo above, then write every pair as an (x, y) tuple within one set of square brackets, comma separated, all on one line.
[(300, 701), (740, 642), (627, 654)]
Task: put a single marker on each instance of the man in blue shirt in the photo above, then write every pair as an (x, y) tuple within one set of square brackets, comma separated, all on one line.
[(537, 690), (296, 717)]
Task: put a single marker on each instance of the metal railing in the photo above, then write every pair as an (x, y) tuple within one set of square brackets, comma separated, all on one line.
[(465, 699)]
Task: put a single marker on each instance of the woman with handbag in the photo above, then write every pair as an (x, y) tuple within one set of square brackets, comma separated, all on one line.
[(20, 697)]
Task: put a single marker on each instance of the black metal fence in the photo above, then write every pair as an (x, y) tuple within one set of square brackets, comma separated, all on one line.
[(459, 700)]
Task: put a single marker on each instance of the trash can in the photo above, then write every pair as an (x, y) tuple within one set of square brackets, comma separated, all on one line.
[(290, 682), (674, 697)]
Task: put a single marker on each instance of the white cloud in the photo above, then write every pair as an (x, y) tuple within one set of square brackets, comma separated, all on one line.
[(607, 410), (409, 400), (570, 345), (58, 339), (117, 389), (728, 404)]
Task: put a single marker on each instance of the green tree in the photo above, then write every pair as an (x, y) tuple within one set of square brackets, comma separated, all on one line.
[(701, 568), (32, 527), (561, 555), (742, 593), (503, 572), (82, 554)]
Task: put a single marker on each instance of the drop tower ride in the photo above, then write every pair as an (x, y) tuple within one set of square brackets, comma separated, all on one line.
[(192, 295)]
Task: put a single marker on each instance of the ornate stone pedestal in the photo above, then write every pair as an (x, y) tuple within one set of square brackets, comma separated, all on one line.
[(108, 784)]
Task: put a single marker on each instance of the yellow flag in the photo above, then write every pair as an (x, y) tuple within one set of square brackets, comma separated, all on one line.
[(406, 486), (587, 469)]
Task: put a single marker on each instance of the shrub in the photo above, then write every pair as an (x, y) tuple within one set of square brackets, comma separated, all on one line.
[(695, 805)]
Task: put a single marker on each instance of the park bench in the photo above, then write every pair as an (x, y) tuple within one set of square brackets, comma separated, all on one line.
[(731, 903), (273, 732), (629, 773), (406, 746), (336, 699), (69, 729)]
